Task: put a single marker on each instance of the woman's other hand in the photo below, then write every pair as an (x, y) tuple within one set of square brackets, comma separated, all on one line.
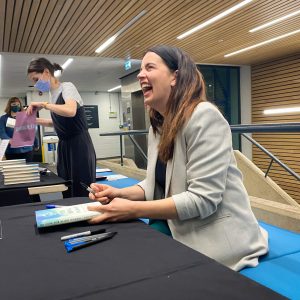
[(118, 209)]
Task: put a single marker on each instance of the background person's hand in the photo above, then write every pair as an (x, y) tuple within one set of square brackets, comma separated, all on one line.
[(103, 193), (118, 209)]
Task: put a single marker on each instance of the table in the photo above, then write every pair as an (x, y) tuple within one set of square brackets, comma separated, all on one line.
[(29, 192), (138, 263)]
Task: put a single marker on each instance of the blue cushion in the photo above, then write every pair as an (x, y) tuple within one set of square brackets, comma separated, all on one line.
[(280, 274), (281, 242)]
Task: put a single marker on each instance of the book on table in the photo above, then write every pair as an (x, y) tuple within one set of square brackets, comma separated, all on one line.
[(21, 173), (10, 162), (65, 214)]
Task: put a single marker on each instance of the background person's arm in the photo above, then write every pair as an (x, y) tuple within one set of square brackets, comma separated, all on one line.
[(44, 122)]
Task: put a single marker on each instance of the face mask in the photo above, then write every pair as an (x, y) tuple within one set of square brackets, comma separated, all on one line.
[(43, 85), (15, 108)]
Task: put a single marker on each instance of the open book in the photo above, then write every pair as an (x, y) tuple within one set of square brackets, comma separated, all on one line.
[(65, 214)]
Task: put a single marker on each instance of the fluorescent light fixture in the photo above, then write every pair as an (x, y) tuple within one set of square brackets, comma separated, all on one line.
[(295, 13), (214, 19), (57, 73), (262, 43), (108, 42), (115, 88), (282, 110), (67, 63)]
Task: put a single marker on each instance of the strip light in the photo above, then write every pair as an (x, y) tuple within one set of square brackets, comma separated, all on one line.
[(262, 43), (282, 110), (57, 73), (214, 19), (108, 42), (115, 88), (295, 13)]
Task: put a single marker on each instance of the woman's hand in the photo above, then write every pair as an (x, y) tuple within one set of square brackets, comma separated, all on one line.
[(103, 193), (118, 209), (34, 106)]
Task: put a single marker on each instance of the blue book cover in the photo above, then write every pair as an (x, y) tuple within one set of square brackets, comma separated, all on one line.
[(65, 214)]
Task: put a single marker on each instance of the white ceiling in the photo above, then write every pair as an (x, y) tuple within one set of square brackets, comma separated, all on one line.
[(89, 74)]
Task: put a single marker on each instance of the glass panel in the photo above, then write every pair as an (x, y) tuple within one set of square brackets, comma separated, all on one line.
[(223, 89)]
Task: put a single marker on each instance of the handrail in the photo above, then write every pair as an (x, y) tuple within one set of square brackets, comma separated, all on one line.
[(273, 158), (241, 129), (269, 127), (129, 133)]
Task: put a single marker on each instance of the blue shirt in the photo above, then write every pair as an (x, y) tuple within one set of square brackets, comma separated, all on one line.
[(7, 133)]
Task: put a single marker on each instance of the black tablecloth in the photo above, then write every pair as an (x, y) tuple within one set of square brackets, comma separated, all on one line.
[(138, 263)]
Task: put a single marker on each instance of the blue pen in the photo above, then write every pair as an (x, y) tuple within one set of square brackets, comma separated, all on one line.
[(53, 206)]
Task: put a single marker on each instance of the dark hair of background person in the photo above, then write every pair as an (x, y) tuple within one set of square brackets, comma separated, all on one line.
[(11, 100), (188, 92), (40, 64)]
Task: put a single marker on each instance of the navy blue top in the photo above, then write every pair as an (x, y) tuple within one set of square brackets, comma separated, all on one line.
[(7, 133)]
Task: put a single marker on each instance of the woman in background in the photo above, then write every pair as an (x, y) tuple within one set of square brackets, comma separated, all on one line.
[(13, 106), (192, 179), (76, 159)]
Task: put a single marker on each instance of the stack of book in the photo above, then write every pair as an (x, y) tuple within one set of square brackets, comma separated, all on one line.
[(20, 173), (11, 162)]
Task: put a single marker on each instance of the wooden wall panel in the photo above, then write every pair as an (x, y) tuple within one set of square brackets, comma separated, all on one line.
[(276, 84)]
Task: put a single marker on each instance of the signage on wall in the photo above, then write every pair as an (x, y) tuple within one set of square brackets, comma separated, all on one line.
[(127, 64), (91, 112)]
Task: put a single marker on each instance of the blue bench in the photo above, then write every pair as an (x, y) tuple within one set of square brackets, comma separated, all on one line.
[(280, 268)]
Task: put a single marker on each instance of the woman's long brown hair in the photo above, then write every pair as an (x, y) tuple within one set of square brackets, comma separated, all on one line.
[(188, 92)]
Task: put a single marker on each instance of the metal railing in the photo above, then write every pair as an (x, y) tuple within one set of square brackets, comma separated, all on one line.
[(241, 129), (130, 134), (274, 127)]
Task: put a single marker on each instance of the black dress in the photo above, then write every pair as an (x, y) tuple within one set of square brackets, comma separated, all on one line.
[(76, 158)]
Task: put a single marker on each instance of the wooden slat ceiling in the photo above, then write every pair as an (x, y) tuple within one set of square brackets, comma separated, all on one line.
[(78, 27)]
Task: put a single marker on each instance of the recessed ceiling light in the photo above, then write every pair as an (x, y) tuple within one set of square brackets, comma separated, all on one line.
[(108, 42), (114, 89), (214, 19), (262, 43), (295, 13), (285, 110), (57, 73)]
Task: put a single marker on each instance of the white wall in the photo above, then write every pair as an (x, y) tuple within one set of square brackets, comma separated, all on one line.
[(3, 102), (104, 146), (245, 89)]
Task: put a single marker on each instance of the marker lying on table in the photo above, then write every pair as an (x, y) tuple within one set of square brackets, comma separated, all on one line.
[(85, 233), (93, 240), (53, 206), (89, 189)]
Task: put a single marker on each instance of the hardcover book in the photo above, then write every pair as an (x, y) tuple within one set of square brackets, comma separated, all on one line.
[(65, 214), (12, 162), (21, 173)]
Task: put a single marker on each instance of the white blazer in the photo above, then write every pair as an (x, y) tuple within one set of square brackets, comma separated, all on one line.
[(215, 217)]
